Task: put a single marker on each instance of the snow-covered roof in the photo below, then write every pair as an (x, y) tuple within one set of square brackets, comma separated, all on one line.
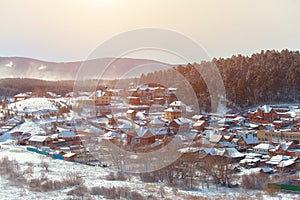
[(69, 155), (250, 138), (143, 132), (199, 123), (100, 93), (279, 158), (266, 108), (157, 121), (67, 134), (264, 146), (161, 131), (214, 151), (189, 150), (124, 126), (197, 117), (182, 120), (233, 153), (227, 152), (38, 138), (249, 160), (177, 103), (130, 111), (266, 169), (284, 145), (172, 110), (227, 144), (214, 138), (20, 95), (286, 163), (52, 94), (132, 97), (111, 134), (239, 118)]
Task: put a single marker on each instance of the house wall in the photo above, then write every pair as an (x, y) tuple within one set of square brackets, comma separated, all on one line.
[(172, 115), (103, 100), (278, 136), (147, 141)]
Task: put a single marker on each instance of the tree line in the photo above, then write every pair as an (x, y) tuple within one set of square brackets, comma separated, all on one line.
[(266, 77)]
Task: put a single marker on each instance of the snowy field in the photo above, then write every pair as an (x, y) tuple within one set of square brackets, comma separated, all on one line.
[(97, 176)]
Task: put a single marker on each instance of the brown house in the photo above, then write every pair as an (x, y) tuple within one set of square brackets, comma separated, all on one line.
[(140, 136), (134, 100), (180, 124), (179, 105), (200, 125), (70, 157), (22, 96), (172, 113), (282, 149), (247, 141), (131, 114), (101, 98), (264, 113), (38, 141)]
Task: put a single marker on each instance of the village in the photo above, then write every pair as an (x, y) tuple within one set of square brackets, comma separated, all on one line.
[(145, 118)]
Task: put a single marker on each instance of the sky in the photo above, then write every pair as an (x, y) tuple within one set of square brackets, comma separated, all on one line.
[(69, 30)]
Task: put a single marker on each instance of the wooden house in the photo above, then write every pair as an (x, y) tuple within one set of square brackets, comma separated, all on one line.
[(22, 96), (101, 98), (140, 136), (172, 113), (134, 100), (39, 140), (282, 148), (200, 125), (247, 140), (131, 114), (70, 137), (178, 105), (263, 148), (180, 124), (264, 113), (70, 157)]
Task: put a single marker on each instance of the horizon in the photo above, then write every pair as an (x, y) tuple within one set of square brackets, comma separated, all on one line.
[(152, 59), (66, 31)]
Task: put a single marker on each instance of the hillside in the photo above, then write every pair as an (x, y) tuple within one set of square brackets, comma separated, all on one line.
[(19, 67), (266, 77), (12, 86)]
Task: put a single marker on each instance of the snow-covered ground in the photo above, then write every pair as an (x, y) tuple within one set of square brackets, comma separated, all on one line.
[(96, 176), (34, 105)]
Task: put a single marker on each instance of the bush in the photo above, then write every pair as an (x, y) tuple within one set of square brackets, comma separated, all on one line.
[(80, 191), (121, 177), (72, 179), (117, 193), (51, 185), (136, 196), (148, 178), (255, 181), (35, 183), (110, 176), (116, 176)]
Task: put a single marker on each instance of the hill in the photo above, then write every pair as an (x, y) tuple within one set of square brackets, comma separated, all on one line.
[(20, 67), (266, 77)]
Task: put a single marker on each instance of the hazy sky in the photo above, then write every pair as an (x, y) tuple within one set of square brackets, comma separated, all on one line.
[(68, 30)]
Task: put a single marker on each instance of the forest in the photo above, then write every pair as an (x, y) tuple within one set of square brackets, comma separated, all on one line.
[(12, 86), (266, 77)]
